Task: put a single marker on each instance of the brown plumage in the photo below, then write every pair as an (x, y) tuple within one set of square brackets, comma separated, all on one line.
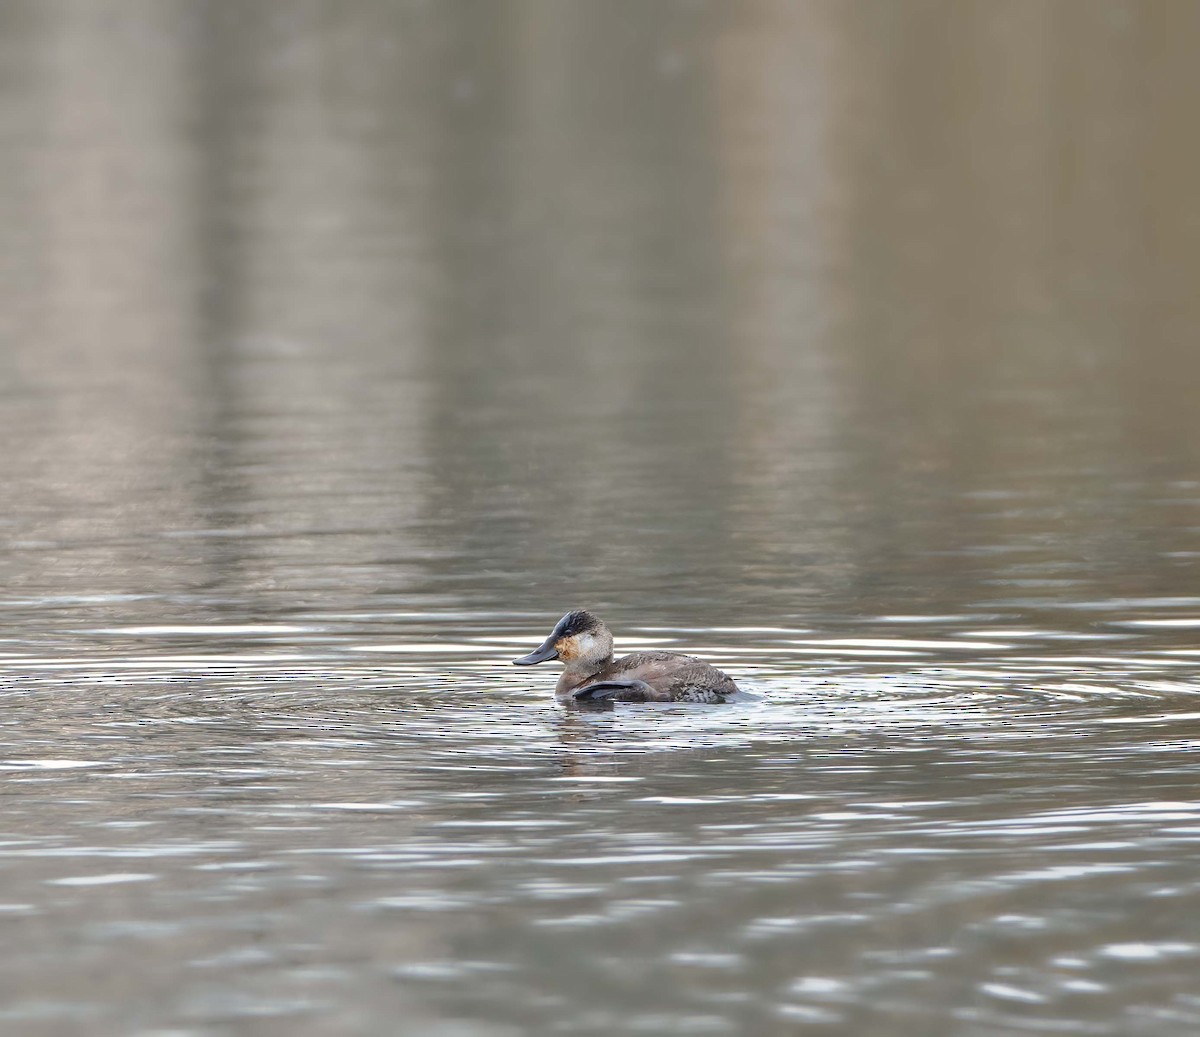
[(582, 642)]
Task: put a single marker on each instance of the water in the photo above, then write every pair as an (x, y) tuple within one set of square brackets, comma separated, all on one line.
[(850, 346)]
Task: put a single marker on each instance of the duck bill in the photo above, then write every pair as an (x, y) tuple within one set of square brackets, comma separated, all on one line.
[(543, 653)]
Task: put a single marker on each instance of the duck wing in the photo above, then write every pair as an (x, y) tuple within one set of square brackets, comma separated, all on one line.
[(660, 677), (614, 691)]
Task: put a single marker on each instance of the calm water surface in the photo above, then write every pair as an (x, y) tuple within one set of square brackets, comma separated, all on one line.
[(347, 345)]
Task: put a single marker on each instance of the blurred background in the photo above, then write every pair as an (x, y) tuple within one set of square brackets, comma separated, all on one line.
[(345, 345), (616, 302)]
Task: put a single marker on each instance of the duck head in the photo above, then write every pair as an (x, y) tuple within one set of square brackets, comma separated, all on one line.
[(580, 640)]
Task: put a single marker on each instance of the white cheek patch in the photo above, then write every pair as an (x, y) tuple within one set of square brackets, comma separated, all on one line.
[(584, 643)]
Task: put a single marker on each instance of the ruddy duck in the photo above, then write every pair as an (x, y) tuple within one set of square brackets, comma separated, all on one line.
[(583, 643)]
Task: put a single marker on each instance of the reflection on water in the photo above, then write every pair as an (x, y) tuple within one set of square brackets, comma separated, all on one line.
[(850, 345)]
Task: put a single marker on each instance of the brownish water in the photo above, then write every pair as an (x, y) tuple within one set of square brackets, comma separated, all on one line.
[(344, 346)]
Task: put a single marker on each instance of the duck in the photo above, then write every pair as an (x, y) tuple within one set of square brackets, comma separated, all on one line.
[(584, 645)]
